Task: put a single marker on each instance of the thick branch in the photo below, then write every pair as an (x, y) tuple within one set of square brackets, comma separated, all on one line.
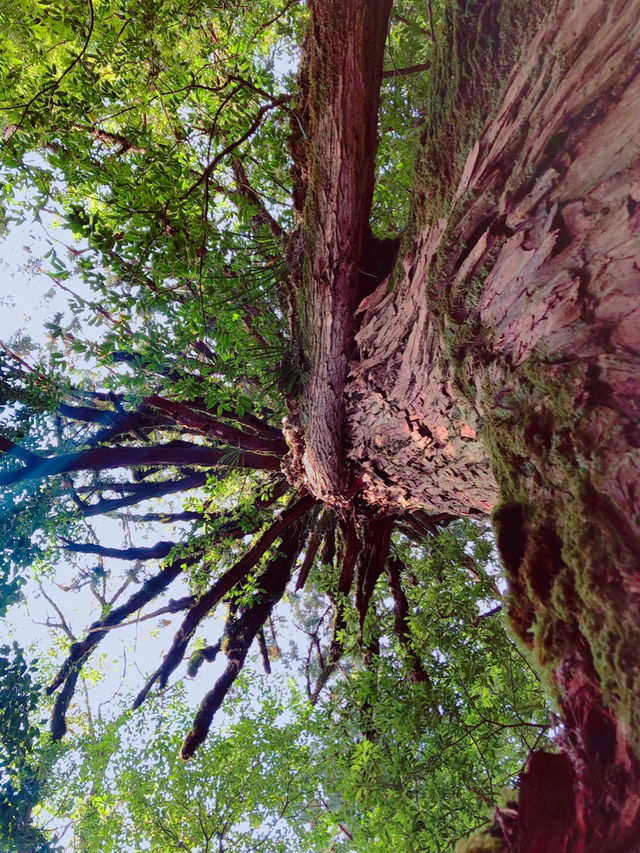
[(406, 72), (349, 548), (371, 563), (401, 625), (81, 650), (101, 458), (230, 528), (312, 549), (241, 631), (154, 552), (11, 448), (139, 492), (183, 414)]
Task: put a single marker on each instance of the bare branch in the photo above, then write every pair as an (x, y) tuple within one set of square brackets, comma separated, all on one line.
[(405, 72), (175, 453), (139, 492), (264, 652), (245, 189), (242, 629), (80, 650), (349, 547), (236, 574), (231, 147), (154, 552)]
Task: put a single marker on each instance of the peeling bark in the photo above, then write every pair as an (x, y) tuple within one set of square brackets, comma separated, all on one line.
[(513, 326)]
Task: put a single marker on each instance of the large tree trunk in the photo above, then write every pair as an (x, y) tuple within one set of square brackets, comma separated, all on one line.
[(509, 343), (498, 366)]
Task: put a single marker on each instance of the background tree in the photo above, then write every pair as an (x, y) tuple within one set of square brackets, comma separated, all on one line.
[(485, 360)]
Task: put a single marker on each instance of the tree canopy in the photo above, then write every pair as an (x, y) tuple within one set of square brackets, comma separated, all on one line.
[(293, 380)]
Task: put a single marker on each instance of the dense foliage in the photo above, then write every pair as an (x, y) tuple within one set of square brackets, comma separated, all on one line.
[(153, 142)]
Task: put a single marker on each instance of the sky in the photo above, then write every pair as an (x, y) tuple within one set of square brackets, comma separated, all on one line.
[(28, 298)]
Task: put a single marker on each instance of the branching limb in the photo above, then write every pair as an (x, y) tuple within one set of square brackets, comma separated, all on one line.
[(235, 575), (406, 72), (139, 492), (371, 563), (401, 626), (231, 147), (154, 552), (349, 549), (176, 453), (241, 630), (183, 414), (9, 447), (81, 650), (245, 189)]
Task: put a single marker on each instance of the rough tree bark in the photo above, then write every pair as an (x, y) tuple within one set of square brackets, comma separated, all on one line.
[(497, 367), (342, 74)]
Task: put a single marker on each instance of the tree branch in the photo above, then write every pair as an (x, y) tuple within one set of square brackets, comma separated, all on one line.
[(176, 453), (349, 547), (154, 552), (183, 414), (405, 72), (371, 563), (139, 492), (241, 631), (236, 574), (80, 650), (401, 625)]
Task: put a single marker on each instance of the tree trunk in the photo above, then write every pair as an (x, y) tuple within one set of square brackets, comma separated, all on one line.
[(498, 368), (342, 72)]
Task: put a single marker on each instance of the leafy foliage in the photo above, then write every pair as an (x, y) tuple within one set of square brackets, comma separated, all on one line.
[(20, 773), (382, 762)]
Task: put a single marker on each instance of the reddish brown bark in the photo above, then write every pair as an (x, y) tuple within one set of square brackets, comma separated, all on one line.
[(210, 599), (401, 626), (344, 53), (496, 368), (510, 344), (203, 422), (240, 631)]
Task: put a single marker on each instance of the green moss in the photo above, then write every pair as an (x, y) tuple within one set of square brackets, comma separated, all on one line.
[(563, 542), (479, 43)]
